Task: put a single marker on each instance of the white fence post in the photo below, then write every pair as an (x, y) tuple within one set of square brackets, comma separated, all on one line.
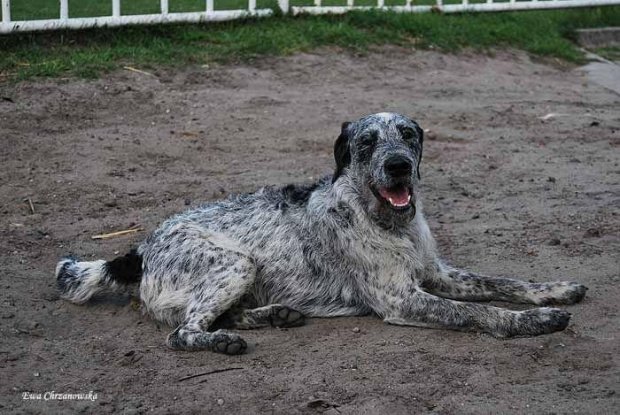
[(209, 6), (64, 9), (164, 6), (6, 11), (251, 6), (116, 8), (380, 3), (283, 4)]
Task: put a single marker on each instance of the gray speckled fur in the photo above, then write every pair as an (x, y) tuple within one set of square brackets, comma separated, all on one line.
[(329, 249)]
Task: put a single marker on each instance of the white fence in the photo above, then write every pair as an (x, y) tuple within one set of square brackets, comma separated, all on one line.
[(209, 14)]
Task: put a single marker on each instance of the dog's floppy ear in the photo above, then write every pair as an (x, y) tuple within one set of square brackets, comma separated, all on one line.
[(420, 132), (342, 153)]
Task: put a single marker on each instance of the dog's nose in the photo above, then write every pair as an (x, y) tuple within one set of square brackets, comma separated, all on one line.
[(398, 166)]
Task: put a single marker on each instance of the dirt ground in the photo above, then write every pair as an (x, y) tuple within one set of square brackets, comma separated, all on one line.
[(520, 176)]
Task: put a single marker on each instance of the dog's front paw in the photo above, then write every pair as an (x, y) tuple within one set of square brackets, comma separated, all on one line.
[(545, 320), (535, 322), (286, 317), (560, 293)]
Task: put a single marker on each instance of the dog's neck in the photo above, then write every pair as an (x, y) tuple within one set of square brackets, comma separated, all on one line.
[(344, 193)]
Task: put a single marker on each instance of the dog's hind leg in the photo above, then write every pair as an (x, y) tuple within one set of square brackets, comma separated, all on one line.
[(220, 287), (192, 275), (274, 315), (459, 284)]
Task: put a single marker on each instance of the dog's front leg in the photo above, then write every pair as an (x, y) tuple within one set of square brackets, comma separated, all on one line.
[(459, 284), (422, 309)]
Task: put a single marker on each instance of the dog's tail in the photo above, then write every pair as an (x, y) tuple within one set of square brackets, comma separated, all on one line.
[(78, 281)]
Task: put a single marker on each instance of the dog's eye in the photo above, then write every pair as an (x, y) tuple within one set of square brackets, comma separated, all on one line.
[(368, 140), (407, 134), (366, 146)]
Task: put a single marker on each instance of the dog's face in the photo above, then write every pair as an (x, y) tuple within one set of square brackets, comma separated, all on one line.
[(381, 154)]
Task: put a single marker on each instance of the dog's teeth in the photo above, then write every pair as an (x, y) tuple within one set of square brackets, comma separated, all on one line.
[(399, 204)]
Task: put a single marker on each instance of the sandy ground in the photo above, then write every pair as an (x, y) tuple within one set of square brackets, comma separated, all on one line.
[(506, 193)]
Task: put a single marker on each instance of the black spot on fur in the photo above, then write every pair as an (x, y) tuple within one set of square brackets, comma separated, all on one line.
[(366, 146), (126, 269), (342, 153), (283, 206), (343, 214), (66, 279), (298, 194), (420, 132)]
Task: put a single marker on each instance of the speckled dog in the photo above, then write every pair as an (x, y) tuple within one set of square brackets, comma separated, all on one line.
[(352, 244)]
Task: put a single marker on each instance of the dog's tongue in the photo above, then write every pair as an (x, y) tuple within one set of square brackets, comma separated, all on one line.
[(398, 196)]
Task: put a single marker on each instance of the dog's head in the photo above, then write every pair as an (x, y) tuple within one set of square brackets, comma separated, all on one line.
[(381, 155)]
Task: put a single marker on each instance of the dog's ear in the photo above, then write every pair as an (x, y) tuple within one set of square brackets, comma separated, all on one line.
[(420, 132), (342, 154)]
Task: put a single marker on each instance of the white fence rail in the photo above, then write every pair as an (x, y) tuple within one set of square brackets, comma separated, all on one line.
[(65, 21)]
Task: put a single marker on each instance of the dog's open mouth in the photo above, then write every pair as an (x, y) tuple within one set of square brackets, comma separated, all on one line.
[(397, 197)]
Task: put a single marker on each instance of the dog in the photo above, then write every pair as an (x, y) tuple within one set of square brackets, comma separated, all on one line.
[(354, 243)]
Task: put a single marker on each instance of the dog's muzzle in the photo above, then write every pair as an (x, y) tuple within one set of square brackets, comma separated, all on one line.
[(398, 194)]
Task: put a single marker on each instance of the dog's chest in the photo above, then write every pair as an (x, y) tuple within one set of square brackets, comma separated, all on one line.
[(385, 260)]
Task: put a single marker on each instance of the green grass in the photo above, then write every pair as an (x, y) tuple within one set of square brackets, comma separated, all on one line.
[(89, 52)]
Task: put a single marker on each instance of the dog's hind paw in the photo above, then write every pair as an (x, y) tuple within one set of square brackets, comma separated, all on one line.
[(228, 343)]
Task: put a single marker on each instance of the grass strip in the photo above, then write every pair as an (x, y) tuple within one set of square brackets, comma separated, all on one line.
[(87, 53)]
